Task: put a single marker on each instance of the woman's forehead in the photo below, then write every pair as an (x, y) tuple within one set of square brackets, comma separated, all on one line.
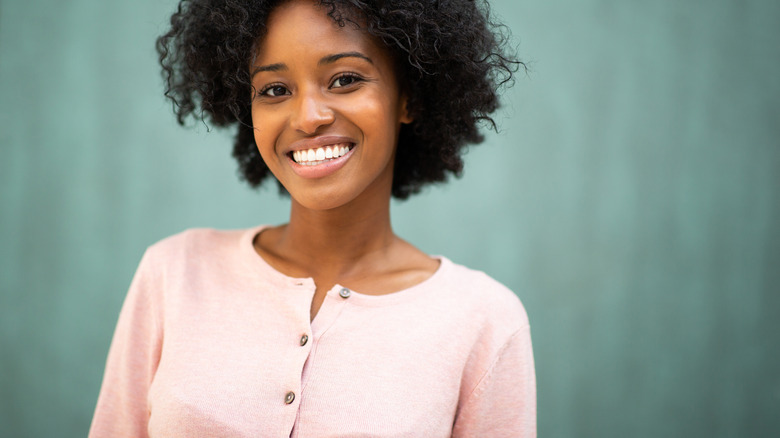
[(303, 26)]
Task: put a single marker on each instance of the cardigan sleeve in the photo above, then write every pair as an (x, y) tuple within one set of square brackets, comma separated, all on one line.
[(122, 407), (503, 404)]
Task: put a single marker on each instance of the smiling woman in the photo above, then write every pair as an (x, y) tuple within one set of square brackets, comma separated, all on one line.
[(310, 99), (324, 326)]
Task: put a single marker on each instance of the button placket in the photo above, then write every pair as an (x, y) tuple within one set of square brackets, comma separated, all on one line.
[(302, 285)]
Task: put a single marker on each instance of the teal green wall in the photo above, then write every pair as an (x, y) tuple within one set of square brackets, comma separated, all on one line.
[(632, 200)]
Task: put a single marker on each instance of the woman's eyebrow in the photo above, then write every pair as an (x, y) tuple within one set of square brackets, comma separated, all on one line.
[(335, 57), (270, 67), (325, 60)]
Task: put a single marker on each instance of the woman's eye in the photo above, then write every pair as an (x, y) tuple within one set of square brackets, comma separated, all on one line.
[(344, 81), (274, 91)]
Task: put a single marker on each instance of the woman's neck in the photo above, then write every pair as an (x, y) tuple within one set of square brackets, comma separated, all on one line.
[(351, 246), (337, 238), (332, 244)]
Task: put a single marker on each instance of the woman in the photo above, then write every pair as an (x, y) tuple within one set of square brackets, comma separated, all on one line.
[(330, 325)]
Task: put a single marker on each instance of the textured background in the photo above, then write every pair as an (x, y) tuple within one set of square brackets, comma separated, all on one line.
[(632, 200)]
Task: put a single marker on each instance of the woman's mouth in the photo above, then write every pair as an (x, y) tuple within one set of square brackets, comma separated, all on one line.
[(315, 156), (321, 161)]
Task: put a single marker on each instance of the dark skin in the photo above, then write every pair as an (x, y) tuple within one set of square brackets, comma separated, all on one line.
[(377, 263), (339, 230)]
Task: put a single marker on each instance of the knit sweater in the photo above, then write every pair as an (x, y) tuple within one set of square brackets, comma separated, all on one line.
[(213, 342)]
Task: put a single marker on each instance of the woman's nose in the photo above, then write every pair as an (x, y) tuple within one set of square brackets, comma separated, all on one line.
[(311, 113)]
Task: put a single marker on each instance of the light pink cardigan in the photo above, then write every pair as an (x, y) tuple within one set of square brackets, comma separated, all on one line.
[(213, 342)]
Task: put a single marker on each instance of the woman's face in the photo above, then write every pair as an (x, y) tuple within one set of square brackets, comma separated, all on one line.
[(326, 108)]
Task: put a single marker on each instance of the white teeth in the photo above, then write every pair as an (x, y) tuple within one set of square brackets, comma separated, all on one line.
[(312, 157)]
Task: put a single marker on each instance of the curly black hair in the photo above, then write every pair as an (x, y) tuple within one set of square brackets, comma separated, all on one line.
[(452, 60)]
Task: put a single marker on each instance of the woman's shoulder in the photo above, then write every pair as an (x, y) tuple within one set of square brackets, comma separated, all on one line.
[(483, 297), (194, 241), (197, 247)]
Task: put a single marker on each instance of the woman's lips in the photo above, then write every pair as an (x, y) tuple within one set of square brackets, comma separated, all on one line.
[(315, 163), (315, 156)]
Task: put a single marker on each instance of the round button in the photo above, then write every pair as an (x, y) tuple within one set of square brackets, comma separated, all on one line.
[(289, 397), (304, 340), (344, 293)]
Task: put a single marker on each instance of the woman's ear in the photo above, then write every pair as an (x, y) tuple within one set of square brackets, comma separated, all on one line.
[(403, 107)]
